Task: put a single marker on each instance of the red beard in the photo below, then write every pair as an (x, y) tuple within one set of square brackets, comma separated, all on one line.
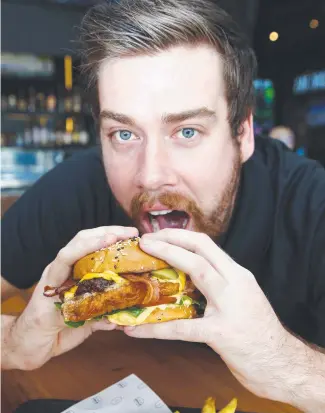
[(213, 224)]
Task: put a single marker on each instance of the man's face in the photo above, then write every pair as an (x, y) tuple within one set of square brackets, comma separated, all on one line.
[(168, 152)]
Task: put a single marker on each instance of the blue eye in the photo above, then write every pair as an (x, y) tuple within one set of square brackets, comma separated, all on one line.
[(187, 133), (125, 135)]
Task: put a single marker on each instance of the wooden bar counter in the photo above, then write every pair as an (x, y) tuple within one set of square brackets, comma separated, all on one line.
[(182, 374)]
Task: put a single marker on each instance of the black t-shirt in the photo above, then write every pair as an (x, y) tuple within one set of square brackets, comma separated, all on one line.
[(277, 230)]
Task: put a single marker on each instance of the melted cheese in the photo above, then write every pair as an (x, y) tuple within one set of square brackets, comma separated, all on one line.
[(70, 293), (182, 279), (123, 317), (107, 275)]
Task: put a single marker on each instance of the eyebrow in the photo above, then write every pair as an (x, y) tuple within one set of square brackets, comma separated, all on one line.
[(189, 114), (166, 118)]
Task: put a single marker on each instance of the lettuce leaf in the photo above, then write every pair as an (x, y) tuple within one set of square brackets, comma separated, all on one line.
[(135, 311), (74, 324)]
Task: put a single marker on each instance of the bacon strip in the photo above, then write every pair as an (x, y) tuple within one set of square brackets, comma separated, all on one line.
[(163, 299), (53, 291), (152, 285)]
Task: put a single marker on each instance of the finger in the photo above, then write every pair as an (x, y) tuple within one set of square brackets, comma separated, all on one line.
[(60, 269), (121, 232), (69, 337), (102, 325), (206, 278), (200, 244), (186, 330), (85, 242), (81, 245)]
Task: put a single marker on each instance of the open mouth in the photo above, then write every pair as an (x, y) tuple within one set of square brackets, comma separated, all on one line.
[(158, 220)]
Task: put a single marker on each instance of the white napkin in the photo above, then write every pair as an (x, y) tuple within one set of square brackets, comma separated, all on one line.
[(130, 395)]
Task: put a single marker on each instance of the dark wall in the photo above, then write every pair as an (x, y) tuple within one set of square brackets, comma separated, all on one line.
[(45, 29), (244, 12), (38, 29)]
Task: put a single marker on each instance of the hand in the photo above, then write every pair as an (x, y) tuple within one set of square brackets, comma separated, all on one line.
[(239, 322), (39, 333)]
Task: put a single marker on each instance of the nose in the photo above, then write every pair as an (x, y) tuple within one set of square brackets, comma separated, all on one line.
[(155, 170)]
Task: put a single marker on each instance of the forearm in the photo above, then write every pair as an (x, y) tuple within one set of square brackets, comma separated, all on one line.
[(304, 378), (8, 359)]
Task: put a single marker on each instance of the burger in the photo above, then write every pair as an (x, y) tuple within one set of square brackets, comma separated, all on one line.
[(127, 286)]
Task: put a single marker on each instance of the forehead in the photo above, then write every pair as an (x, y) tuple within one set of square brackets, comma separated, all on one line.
[(181, 78)]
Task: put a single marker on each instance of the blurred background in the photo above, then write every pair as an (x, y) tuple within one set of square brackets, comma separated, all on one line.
[(45, 117)]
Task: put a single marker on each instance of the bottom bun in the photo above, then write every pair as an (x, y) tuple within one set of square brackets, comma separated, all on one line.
[(158, 314)]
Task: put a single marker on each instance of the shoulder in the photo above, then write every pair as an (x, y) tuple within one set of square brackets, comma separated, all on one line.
[(292, 175), (81, 173), (83, 165), (299, 191), (73, 190)]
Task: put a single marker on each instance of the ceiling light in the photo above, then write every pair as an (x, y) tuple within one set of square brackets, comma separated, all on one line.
[(274, 36), (313, 24)]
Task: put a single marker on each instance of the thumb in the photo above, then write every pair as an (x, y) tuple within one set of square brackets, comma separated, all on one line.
[(59, 270)]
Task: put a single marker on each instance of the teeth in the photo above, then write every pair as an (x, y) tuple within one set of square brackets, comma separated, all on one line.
[(185, 223), (166, 211)]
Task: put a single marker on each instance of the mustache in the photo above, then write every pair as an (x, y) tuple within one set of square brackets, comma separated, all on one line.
[(172, 200)]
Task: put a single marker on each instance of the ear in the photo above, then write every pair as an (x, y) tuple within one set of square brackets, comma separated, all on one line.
[(246, 139)]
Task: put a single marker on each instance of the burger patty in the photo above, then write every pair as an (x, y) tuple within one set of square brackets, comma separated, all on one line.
[(95, 285), (83, 308)]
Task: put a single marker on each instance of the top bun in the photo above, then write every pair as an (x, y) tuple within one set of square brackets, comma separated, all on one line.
[(122, 257)]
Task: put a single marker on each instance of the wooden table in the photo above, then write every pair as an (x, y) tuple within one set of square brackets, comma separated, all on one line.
[(182, 374)]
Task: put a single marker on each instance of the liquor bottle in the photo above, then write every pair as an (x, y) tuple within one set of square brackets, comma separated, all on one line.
[(84, 137), (58, 134), (76, 100), (31, 100), (69, 127), (51, 102), (3, 141), (36, 132), (28, 136), (19, 140), (40, 102), (51, 132), (44, 136), (12, 101), (68, 103), (22, 101)]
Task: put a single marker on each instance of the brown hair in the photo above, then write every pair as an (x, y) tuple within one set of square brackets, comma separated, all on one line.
[(120, 28)]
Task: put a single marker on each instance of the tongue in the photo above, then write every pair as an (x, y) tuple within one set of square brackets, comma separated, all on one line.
[(175, 219)]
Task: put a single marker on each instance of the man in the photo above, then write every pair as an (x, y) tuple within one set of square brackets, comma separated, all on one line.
[(244, 218)]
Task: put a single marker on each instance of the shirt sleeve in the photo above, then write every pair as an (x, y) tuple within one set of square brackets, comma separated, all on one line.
[(48, 215)]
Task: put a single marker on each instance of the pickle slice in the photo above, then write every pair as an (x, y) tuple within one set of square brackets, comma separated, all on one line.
[(165, 274)]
